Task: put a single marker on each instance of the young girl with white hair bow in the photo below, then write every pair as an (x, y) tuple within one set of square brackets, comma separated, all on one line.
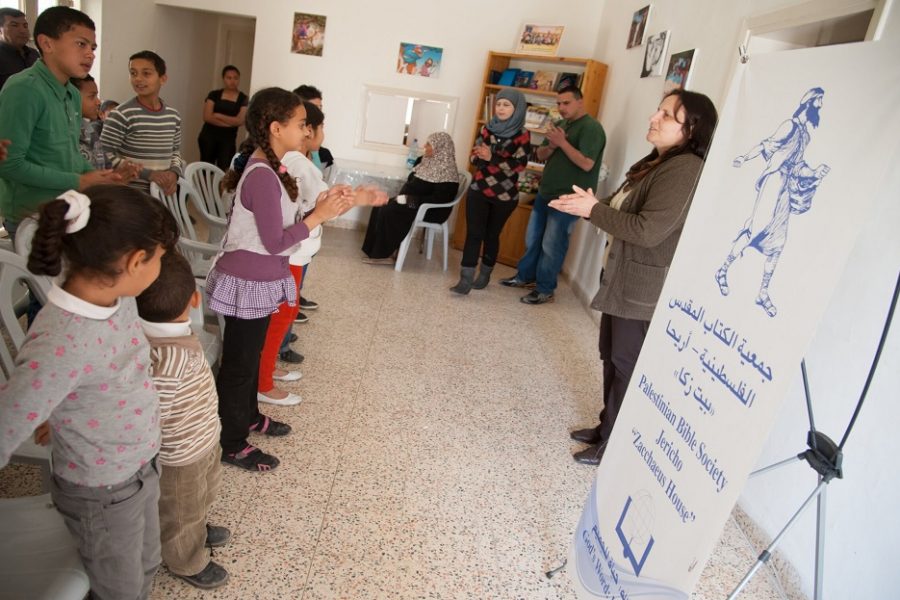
[(83, 368)]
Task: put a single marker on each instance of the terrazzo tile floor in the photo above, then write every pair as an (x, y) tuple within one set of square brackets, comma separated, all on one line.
[(430, 454)]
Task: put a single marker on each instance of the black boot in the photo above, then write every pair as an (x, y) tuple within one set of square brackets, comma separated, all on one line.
[(466, 274), (484, 277)]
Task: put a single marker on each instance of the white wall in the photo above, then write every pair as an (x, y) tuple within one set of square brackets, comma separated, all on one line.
[(361, 43)]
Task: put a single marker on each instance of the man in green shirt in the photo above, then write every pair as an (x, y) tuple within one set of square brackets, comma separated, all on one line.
[(573, 151), (40, 113)]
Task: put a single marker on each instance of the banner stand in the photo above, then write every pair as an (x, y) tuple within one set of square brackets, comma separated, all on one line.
[(826, 458)]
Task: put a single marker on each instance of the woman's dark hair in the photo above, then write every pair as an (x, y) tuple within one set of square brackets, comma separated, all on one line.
[(267, 106), (167, 298), (314, 115), (122, 220), (700, 118), (57, 20), (227, 68)]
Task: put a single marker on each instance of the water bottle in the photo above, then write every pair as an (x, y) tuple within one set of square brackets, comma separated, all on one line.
[(413, 155)]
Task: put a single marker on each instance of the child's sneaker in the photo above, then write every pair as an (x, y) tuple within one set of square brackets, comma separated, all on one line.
[(211, 577), (251, 458), (217, 536)]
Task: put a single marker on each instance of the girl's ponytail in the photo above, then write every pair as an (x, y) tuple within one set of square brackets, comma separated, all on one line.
[(230, 181), (289, 183), (47, 244), (121, 220)]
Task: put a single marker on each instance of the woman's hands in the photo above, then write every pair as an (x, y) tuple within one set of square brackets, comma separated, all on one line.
[(579, 203), (482, 151), (369, 195), (333, 203)]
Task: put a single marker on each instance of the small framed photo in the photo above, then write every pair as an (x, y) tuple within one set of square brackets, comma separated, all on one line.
[(419, 59), (638, 27), (308, 34), (678, 74), (655, 54), (541, 40)]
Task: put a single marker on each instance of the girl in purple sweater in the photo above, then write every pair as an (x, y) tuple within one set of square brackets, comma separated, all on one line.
[(251, 277)]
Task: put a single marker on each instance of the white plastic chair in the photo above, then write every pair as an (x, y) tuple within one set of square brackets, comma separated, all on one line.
[(199, 253), (178, 203), (24, 236), (211, 342), (206, 179), (15, 282), (38, 558), (431, 228)]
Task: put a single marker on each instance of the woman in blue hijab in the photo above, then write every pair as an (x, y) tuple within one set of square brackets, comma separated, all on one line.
[(500, 154)]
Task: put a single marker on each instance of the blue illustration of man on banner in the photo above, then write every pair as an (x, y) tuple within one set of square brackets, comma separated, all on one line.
[(785, 162)]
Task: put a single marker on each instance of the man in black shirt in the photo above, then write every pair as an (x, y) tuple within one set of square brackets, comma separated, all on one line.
[(15, 56)]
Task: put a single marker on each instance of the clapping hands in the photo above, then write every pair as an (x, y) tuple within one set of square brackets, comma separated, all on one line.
[(334, 202), (579, 203)]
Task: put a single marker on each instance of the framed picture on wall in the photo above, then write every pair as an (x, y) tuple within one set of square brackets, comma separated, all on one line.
[(655, 54), (541, 40), (678, 74), (638, 27), (418, 59), (308, 34)]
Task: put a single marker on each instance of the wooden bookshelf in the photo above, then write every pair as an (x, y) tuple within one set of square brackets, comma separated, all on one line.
[(512, 240)]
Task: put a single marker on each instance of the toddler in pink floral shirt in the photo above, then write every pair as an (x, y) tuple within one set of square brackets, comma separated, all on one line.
[(84, 367)]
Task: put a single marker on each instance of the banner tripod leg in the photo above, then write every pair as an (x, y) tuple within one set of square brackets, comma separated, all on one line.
[(765, 555), (820, 546)]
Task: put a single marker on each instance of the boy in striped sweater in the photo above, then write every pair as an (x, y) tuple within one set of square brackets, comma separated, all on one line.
[(144, 129), (189, 452)]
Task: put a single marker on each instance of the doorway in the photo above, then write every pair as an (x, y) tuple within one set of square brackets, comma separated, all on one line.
[(207, 41), (813, 24)]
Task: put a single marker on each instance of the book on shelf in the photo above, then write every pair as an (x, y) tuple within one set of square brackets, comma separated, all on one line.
[(529, 182), (536, 116), (494, 77), (539, 117), (568, 79), (523, 79), (544, 81), (535, 163), (508, 77), (488, 110)]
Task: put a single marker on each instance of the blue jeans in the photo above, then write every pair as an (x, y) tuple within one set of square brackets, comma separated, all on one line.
[(546, 244)]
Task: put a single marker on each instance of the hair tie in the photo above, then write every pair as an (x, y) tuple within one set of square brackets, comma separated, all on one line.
[(79, 210), (282, 169), (240, 162)]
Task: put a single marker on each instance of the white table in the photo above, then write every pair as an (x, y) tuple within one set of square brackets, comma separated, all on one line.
[(387, 177)]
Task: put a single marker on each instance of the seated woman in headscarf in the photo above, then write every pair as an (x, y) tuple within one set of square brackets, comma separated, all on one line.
[(434, 180)]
